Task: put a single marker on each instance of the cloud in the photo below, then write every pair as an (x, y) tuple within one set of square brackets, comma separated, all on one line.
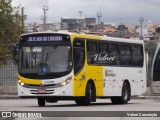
[(112, 10)]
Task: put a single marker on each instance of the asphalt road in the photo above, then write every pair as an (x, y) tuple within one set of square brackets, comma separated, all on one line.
[(100, 105)]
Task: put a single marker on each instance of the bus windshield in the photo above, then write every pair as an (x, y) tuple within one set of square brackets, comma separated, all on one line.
[(45, 59)]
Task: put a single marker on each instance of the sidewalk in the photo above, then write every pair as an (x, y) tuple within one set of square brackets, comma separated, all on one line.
[(148, 97), (9, 96)]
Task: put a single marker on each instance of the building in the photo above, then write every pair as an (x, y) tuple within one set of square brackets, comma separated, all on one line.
[(90, 20), (73, 23), (148, 31), (36, 27), (77, 23)]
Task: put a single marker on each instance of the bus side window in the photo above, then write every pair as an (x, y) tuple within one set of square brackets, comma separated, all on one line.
[(92, 51), (114, 52), (125, 55), (103, 47), (103, 52), (137, 55)]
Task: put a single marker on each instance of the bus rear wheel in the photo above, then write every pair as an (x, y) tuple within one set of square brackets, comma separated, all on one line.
[(125, 97), (41, 102), (88, 96)]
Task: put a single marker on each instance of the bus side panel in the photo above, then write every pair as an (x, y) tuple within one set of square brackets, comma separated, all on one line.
[(99, 89), (93, 73), (114, 78), (112, 81), (79, 84)]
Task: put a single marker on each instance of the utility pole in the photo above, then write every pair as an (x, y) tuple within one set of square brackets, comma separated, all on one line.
[(24, 17), (80, 23), (99, 15), (80, 13), (44, 17), (141, 20)]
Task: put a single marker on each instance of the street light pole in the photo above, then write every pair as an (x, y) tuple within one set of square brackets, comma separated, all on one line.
[(99, 15), (79, 24), (141, 19), (45, 9)]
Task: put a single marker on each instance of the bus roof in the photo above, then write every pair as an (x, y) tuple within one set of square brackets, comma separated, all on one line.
[(88, 36)]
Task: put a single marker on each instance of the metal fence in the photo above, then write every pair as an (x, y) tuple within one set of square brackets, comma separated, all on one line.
[(8, 74)]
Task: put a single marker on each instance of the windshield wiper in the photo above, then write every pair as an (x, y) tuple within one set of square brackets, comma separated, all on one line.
[(48, 53), (47, 56)]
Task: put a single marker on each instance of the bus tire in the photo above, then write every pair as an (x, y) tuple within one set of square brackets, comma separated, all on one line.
[(88, 96), (52, 101), (79, 100), (41, 102), (125, 97)]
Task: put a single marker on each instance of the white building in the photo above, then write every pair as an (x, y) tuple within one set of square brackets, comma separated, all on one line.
[(35, 27), (73, 23), (147, 31)]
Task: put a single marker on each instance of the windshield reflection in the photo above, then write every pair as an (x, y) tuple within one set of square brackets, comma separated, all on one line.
[(45, 59)]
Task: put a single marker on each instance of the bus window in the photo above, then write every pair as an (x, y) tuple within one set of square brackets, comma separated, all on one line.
[(92, 52), (92, 46), (103, 47), (137, 55), (114, 52), (103, 53), (125, 55)]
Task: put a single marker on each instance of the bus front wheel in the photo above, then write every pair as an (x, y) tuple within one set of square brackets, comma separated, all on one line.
[(41, 102), (124, 97), (86, 100)]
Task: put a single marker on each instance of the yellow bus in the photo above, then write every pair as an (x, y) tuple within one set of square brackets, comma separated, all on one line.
[(81, 67)]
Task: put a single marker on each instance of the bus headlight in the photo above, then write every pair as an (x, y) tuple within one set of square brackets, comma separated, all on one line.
[(65, 82), (22, 83)]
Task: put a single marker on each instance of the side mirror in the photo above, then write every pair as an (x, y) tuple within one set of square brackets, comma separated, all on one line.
[(14, 50)]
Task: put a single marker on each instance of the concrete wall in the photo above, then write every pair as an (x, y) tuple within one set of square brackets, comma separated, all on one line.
[(8, 90)]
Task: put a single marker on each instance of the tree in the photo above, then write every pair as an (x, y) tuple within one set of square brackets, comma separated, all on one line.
[(122, 27), (122, 30), (150, 48), (10, 29), (158, 30)]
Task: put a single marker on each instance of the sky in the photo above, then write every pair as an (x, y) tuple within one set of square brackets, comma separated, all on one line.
[(113, 11)]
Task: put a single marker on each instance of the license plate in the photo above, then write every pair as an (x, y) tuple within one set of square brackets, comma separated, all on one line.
[(41, 91), (47, 82)]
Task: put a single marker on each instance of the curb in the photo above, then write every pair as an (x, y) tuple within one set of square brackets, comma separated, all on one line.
[(15, 96), (9, 96), (146, 97)]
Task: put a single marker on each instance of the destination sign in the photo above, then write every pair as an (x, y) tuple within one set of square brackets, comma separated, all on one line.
[(45, 38)]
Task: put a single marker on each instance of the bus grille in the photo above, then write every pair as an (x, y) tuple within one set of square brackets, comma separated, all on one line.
[(47, 91)]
